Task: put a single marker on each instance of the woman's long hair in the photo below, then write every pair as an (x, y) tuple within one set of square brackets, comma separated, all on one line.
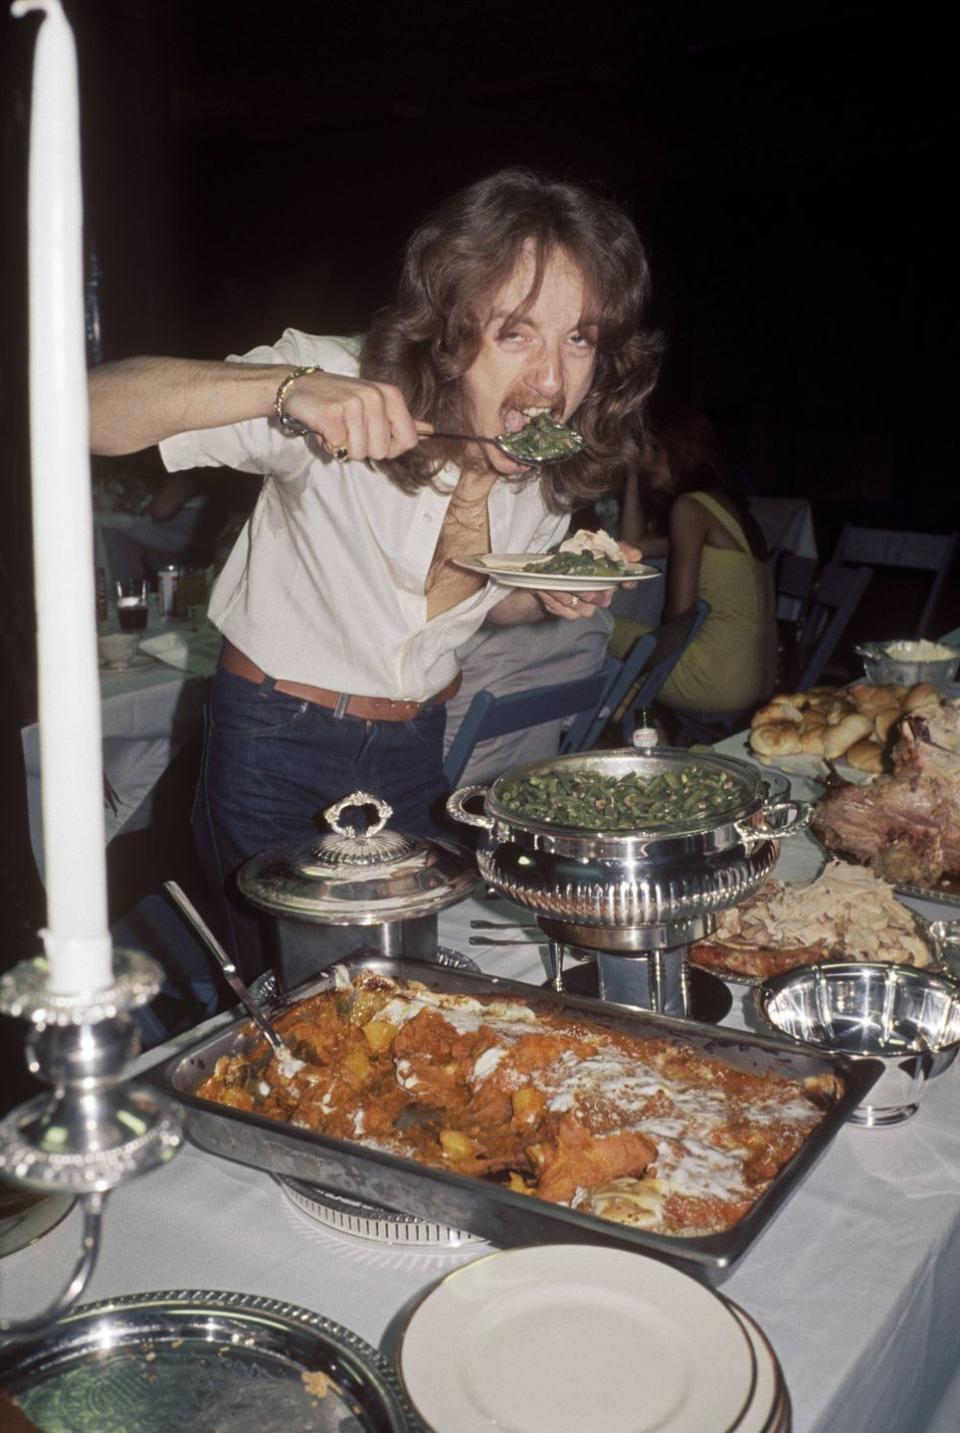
[(692, 448), (428, 339)]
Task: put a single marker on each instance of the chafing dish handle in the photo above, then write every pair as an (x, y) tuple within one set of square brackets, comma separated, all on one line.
[(456, 807), (777, 819)]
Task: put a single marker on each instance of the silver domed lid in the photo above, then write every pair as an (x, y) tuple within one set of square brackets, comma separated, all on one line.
[(353, 877)]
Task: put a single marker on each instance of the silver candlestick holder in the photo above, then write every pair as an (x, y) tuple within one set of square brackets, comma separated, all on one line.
[(94, 1131)]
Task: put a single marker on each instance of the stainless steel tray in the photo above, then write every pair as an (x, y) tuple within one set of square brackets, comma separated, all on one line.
[(199, 1361), (483, 1208)]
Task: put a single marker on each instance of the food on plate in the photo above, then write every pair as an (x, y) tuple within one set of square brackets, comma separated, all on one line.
[(854, 722), (585, 554), (906, 824), (592, 801), (541, 439), (646, 1132), (847, 913), (316, 1382)]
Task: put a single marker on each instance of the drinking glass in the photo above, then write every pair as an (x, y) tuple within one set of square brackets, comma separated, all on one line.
[(132, 604), (193, 593)]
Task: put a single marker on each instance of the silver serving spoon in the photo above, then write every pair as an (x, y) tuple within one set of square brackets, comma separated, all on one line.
[(506, 443), (289, 1064)]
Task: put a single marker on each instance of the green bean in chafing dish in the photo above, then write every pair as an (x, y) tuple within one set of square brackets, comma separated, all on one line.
[(621, 803)]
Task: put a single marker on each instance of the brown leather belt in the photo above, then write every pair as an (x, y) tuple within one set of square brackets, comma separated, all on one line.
[(366, 708)]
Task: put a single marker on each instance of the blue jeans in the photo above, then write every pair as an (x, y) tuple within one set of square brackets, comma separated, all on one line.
[(272, 763)]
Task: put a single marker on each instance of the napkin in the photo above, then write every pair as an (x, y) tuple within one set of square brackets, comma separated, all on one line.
[(195, 652)]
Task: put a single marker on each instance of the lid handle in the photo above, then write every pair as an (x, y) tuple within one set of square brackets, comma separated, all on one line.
[(358, 798)]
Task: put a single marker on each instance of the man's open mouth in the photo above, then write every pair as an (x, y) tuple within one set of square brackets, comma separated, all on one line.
[(513, 419)]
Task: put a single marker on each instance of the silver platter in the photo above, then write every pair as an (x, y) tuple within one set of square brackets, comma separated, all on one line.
[(197, 1361), (942, 939), (374, 1224)]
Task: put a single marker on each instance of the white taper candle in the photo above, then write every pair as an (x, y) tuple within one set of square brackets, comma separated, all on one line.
[(77, 938)]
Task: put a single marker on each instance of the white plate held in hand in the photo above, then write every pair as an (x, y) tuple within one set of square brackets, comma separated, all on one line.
[(508, 570)]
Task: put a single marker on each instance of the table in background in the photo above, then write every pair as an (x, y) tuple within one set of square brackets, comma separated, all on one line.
[(854, 1280), (147, 712), (786, 523)]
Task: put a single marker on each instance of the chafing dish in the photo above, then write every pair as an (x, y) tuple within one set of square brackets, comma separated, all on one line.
[(483, 1208), (907, 1019), (647, 888), (347, 890)]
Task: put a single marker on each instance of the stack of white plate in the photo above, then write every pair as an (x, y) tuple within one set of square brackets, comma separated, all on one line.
[(564, 1338)]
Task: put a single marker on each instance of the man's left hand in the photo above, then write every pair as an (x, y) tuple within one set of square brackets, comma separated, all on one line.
[(575, 605)]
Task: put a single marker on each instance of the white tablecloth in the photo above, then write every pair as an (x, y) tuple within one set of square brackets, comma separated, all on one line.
[(786, 523)]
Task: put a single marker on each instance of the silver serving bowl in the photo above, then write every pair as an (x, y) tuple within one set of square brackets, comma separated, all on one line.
[(908, 1019), (881, 669)]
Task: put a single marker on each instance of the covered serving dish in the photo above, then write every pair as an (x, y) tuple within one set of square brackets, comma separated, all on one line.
[(347, 890), (656, 883)]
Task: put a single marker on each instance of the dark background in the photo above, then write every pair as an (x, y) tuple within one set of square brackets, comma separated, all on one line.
[(252, 165)]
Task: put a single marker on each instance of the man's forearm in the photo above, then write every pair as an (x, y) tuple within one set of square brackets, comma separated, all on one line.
[(139, 401), (516, 608)]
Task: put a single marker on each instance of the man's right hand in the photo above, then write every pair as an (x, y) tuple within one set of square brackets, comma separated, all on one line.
[(369, 420), (136, 402)]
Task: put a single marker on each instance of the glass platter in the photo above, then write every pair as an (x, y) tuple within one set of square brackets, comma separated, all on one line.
[(203, 1362), (508, 569)]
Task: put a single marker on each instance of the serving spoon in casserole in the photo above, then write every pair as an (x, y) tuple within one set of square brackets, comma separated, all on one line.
[(288, 1062)]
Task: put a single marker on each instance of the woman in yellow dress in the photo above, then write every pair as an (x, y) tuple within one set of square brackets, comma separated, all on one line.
[(715, 551)]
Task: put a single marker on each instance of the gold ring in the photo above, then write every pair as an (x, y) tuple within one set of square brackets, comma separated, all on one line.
[(341, 454)]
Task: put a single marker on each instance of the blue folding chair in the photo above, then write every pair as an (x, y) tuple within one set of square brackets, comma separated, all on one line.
[(646, 667), (831, 598), (586, 699)]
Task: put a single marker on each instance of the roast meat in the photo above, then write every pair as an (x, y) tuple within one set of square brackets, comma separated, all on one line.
[(905, 825)]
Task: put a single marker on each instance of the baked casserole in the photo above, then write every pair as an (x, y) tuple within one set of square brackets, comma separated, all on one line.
[(648, 1132)]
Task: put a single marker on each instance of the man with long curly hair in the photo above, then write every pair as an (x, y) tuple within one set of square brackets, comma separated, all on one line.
[(342, 604)]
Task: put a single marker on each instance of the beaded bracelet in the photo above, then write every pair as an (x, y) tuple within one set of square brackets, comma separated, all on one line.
[(290, 426)]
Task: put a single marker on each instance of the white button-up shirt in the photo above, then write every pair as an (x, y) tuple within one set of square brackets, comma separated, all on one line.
[(325, 584)]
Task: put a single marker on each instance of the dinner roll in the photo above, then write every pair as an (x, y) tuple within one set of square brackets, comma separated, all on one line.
[(922, 695), (793, 699), (814, 719), (776, 739), (776, 710), (865, 755), (871, 699), (811, 742), (838, 739), (838, 710), (884, 720)]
